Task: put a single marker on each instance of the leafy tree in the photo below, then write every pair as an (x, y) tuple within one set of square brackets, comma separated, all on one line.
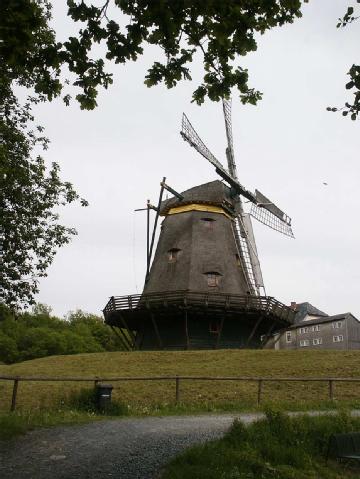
[(217, 29), (29, 194), (38, 334), (8, 349), (351, 108)]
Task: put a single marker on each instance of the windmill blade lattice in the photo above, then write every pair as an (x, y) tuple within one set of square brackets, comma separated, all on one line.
[(269, 219), (189, 134), (229, 136)]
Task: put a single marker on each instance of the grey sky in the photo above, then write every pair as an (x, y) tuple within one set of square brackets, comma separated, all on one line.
[(287, 147)]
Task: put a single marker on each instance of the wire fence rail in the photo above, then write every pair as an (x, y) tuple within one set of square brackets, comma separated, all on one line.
[(330, 381)]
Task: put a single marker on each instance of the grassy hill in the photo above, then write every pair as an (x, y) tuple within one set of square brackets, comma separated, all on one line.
[(146, 395)]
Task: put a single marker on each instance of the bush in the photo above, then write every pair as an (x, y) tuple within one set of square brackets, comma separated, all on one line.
[(277, 447), (37, 334)]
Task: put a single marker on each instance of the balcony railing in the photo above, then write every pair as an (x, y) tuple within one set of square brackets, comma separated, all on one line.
[(196, 300)]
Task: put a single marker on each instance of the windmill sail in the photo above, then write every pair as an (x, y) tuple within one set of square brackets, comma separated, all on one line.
[(229, 136), (254, 259), (243, 225), (189, 134), (270, 215)]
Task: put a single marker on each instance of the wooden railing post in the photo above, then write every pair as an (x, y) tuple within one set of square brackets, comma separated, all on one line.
[(14, 395), (331, 389), (259, 391), (177, 389)]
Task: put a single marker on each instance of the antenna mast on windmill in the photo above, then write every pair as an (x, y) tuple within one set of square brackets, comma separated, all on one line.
[(262, 208)]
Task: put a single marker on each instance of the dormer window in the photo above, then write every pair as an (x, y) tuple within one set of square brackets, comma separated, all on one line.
[(173, 255), (208, 222), (213, 279)]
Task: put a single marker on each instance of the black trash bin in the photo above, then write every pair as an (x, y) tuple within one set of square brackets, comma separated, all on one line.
[(103, 396)]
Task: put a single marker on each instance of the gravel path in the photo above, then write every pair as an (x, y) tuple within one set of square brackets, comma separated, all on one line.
[(121, 449)]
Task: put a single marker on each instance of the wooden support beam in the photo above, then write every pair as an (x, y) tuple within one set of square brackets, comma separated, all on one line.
[(125, 339), (253, 331), (219, 333), (267, 335), (186, 330), (131, 334), (14, 395), (124, 344), (158, 337), (140, 336)]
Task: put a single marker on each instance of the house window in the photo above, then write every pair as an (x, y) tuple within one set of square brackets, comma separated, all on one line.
[(337, 325), (338, 339), (315, 328), (317, 341), (213, 279), (208, 222), (288, 336), (173, 255), (304, 343), (304, 330)]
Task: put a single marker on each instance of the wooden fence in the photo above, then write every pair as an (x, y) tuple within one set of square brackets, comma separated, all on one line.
[(177, 379)]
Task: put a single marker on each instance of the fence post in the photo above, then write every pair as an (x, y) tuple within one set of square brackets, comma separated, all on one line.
[(14, 394), (177, 389), (331, 389), (259, 391)]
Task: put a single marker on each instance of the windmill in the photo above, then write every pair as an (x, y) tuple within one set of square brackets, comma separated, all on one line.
[(203, 287), (262, 209)]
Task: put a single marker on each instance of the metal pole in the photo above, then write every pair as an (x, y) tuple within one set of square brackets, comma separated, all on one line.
[(155, 224), (259, 391), (14, 395), (148, 239), (177, 389), (331, 389)]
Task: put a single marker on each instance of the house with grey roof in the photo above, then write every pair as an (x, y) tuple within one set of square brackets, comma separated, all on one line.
[(314, 329)]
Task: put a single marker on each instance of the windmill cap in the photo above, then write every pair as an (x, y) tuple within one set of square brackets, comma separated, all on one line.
[(212, 193)]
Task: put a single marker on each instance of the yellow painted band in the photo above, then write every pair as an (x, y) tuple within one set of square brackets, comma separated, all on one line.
[(198, 207)]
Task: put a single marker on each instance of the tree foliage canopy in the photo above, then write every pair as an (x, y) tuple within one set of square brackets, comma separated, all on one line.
[(351, 108), (30, 193), (219, 30), (37, 334)]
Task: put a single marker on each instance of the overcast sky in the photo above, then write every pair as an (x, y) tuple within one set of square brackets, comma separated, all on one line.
[(287, 147)]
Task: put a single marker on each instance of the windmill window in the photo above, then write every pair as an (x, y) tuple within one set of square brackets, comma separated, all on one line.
[(173, 255), (237, 257), (213, 279), (208, 222)]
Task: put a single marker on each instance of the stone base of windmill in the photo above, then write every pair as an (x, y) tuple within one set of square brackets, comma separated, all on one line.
[(176, 320)]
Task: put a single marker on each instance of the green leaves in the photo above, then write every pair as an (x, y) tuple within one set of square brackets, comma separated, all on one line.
[(219, 30), (29, 195), (351, 109)]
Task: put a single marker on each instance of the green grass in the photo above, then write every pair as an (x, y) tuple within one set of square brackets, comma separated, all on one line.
[(278, 447), (142, 394), (141, 398)]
